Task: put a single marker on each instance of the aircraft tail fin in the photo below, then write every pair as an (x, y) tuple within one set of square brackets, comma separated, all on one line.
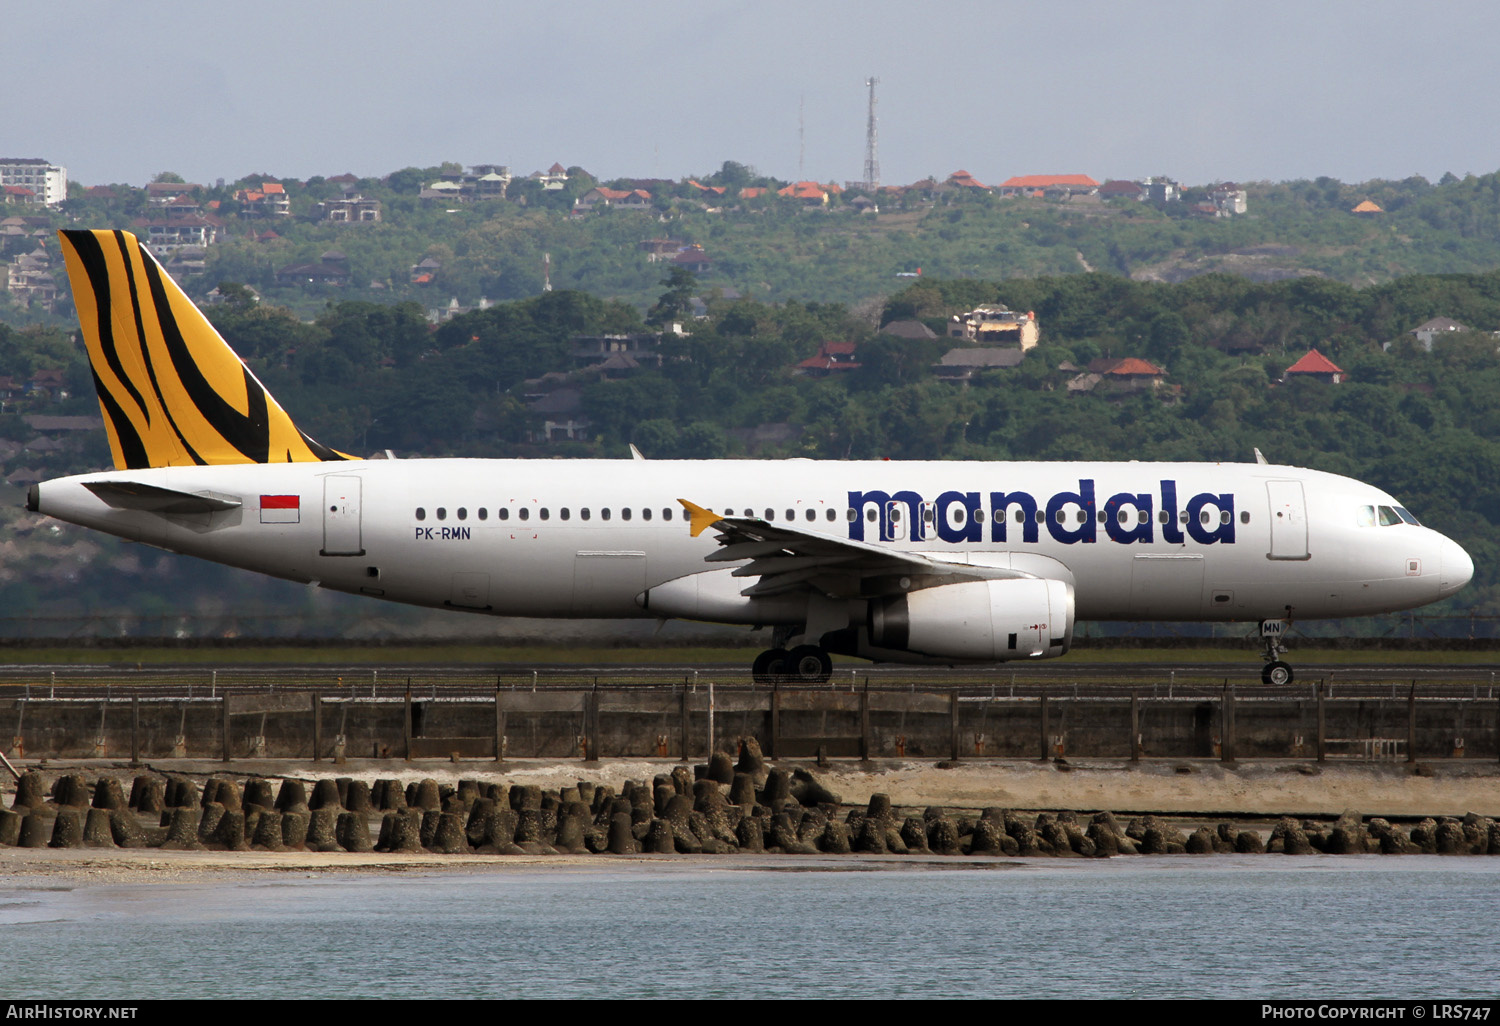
[(172, 391)]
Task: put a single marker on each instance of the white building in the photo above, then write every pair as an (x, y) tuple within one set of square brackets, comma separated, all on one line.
[(48, 181)]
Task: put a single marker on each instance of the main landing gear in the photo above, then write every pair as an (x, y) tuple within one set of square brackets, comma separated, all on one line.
[(1275, 672), (804, 664)]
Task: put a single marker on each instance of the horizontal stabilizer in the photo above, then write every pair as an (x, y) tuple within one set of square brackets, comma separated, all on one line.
[(153, 499)]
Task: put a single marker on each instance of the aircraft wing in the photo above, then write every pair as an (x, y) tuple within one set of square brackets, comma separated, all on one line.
[(787, 558)]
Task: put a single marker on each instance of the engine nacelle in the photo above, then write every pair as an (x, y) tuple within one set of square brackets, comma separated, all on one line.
[(1029, 618)]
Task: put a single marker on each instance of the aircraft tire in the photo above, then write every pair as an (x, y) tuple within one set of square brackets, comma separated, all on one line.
[(1277, 673), (771, 666), (809, 664)]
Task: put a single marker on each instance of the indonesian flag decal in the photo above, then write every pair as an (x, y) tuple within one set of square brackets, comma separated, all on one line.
[(280, 509)]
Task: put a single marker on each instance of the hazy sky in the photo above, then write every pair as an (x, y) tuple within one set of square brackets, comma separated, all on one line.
[(1200, 91)]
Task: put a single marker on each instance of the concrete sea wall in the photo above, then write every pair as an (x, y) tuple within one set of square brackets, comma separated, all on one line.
[(720, 807)]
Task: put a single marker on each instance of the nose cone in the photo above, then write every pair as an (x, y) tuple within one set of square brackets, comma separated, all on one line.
[(1456, 570)]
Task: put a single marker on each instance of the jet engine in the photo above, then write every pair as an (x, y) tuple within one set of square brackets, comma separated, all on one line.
[(1028, 618)]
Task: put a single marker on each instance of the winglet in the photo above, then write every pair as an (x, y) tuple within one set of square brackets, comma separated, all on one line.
[(699, 517)]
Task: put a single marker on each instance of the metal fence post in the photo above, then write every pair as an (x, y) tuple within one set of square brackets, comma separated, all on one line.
[(1322, 724), (1043, 734), (1227, 710), (1411, 724), (1135, 725), (953, 722)]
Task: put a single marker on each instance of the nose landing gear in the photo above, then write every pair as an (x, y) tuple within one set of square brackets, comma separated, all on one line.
[(1275, 672)]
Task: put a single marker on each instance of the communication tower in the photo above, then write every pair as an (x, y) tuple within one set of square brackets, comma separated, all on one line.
[(872, 162)]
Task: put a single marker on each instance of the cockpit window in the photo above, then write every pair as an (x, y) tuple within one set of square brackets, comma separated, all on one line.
[(1405, 515), (1388, 516), (1366, 517)]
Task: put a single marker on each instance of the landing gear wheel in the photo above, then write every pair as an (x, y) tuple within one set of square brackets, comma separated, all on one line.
[(809, 664), (770, 666), (1277, 673)]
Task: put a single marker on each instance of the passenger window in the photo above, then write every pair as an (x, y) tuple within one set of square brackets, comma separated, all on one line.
[(503, 513), (770, 514), (1163, 516), (421, 513), (1182, 517), (666, 513), (832, 514), (1061, 517), (926, 515), (604, 513), (484, 514), (791, 514), (1203, 517), (958, 515), (749, 513), (895, 514), (625, 513), (812, 515), (979, 516), (463, 513), (442, 513), (1143, 517), (524, 513), (583, 514), (646, 513), (1124, 517), (544, 512), (851, 514), (563, 513), (1224, 517), (1244, 516), (870, 515)]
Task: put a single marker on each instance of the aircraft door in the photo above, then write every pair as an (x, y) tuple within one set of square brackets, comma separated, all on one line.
[(1288, 520), (342, 535)]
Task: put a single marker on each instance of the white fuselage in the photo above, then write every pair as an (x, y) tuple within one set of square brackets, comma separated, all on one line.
[(589, 538)]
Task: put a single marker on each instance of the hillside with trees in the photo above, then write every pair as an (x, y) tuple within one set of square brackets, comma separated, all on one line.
[(367, 369)]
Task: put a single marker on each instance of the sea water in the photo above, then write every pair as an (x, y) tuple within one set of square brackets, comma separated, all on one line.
[(1258, 927)]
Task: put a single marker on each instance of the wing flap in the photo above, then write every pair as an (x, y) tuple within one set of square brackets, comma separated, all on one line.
[(787, 558)]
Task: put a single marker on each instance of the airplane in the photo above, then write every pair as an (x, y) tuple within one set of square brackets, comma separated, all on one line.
[(942, 562)]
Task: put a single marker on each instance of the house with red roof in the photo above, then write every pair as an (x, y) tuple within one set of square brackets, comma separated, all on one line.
[(601, 197), (1130, 374), (1037, 186), (811, 194), (555, 177), (964, 180), (1316, 366), (832, 358)]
